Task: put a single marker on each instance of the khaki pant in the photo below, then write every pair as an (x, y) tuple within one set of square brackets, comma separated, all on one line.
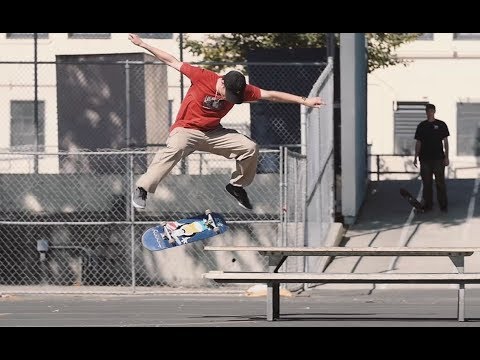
[(182, 142)]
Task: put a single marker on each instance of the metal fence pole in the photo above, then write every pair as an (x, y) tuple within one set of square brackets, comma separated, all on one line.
[(35, 103), (281, 213), (130, 211), (285, 194), (303, 129), (378, 167), (295, 201), (127, 105), (183, 162), (132, 219)]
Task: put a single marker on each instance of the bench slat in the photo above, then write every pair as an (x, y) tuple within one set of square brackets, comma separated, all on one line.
[(346, 251), (260, 277)]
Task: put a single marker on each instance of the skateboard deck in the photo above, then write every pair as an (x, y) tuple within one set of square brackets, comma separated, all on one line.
[(411, 200), (171, 234)]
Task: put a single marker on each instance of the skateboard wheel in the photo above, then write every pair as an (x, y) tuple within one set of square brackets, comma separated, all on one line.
[(217, 230), (208, 212)]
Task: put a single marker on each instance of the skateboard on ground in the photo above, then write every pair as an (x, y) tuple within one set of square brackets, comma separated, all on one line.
[(171, 234), (412, 200)]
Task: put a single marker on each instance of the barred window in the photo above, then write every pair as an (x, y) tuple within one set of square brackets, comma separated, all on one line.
[(406, 118), (425, 36), (26, 35), (89, 35), (22, 129), (466, 36), (468, 129), (156, 35)]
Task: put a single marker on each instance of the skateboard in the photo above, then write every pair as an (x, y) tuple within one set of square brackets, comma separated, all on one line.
[(411, 200), (171, 234)]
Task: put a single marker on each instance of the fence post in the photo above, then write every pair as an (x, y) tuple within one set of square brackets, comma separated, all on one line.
[(131, 217), (378, 167), (35, 102), (285, 199), (280, 189), (127, 105), (130, 211)]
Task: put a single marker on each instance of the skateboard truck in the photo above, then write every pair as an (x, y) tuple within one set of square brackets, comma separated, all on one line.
[(171, 240), (211, 221)]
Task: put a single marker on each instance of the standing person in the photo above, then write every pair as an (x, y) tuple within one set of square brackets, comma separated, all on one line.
[(432, 149), (197, 127)]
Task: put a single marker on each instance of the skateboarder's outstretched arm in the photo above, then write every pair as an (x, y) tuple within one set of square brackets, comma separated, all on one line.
[(283, 97), (161, 55), (274, 96)]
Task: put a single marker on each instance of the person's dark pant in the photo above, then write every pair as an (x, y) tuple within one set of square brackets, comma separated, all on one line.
[(428, 168)]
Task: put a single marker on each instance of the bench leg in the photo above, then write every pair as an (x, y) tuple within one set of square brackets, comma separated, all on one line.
[(461, 302), (273, 301)]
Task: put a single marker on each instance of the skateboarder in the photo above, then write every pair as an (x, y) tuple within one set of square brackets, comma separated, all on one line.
[(197, 127)]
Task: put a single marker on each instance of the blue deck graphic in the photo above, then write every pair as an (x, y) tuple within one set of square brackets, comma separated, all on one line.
[(185, 231)]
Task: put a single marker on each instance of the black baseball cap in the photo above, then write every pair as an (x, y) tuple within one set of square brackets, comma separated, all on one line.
[(235, 84)]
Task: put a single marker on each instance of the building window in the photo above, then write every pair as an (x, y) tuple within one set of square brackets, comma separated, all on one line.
[(89, 35), (466, 36), (407, 117), (22, 129), (425, 36), (156, 35), (468, 129), (26, 35)]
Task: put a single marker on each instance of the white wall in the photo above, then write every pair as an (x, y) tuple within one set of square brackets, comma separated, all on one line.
[(442, 71)]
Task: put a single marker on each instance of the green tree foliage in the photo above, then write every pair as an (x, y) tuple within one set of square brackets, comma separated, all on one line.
[(382, 46), (233, 47)]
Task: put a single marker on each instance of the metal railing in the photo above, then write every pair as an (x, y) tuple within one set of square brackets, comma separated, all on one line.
[(391, 164)]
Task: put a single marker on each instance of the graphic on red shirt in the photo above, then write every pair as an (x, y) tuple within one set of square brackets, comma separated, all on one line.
[(203, 108)]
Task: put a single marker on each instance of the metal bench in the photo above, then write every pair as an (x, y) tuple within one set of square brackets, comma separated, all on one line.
[(278, 255)]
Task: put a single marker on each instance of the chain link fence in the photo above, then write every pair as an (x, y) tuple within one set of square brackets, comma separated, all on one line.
[(74, 225), (65, 212), (122, 101)]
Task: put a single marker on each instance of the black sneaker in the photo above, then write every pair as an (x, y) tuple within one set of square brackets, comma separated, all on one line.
[(240, 194), (139, 198)]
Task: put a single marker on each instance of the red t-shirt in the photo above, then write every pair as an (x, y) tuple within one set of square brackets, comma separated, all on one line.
[(202, 108)]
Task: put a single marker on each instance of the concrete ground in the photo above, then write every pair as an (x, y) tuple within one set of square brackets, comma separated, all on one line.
[(387, 219), (384, 308)]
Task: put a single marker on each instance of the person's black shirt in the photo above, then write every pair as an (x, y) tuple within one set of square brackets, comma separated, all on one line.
[(431, 135)]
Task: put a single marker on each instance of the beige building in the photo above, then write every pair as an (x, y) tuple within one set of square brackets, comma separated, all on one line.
[(17, 80), (443, 69)]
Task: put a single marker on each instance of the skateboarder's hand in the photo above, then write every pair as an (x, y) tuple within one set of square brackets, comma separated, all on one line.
[(315, 102), (135, 39), (447, 162)]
